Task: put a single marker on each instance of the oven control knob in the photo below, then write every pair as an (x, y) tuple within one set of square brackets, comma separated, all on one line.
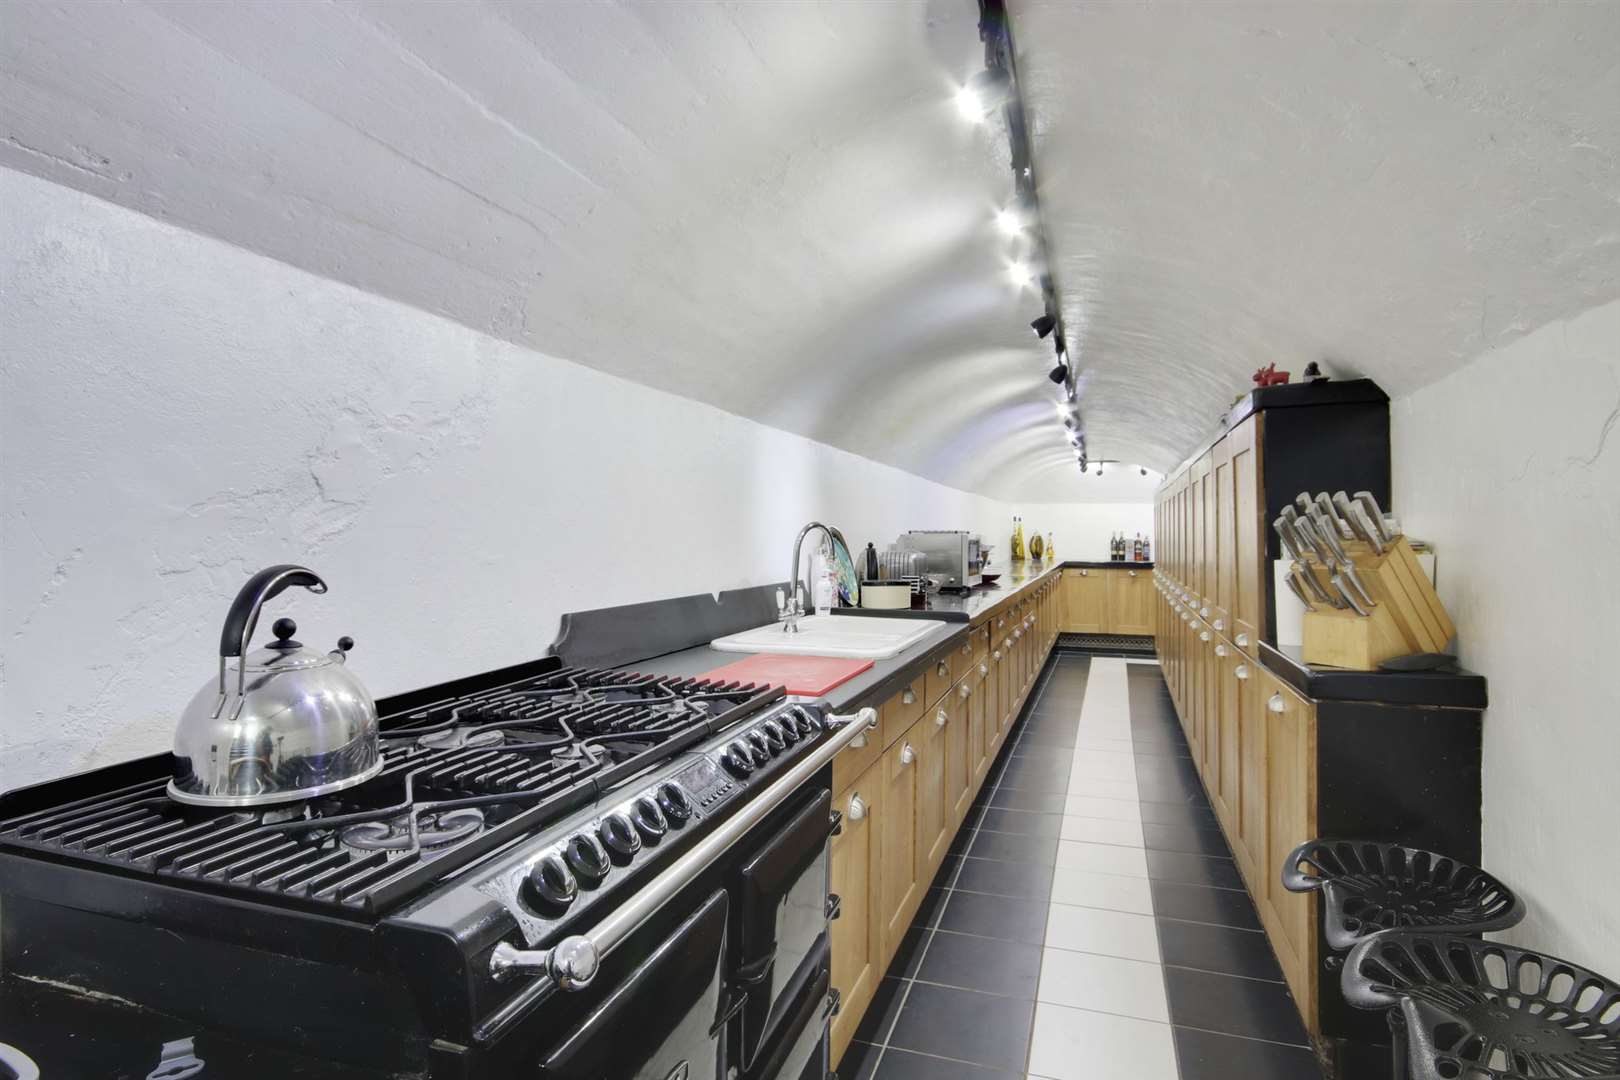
[(738, 761), (675, 805), (763, 751), (587, 858), (619, 837), (775, 736), (809, 722), (549, 888), (650, 821), (790, 728)]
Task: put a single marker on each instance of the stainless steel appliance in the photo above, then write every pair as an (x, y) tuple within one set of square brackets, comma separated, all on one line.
[(558, 872), (951, 556)]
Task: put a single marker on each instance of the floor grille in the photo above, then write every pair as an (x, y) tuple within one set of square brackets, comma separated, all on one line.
[(1134, 644)]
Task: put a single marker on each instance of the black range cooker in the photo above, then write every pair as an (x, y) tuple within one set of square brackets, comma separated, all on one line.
[(559, 872)]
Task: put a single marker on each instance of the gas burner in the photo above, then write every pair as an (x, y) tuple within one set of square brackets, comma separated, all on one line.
[(432, 831), (454, 738)]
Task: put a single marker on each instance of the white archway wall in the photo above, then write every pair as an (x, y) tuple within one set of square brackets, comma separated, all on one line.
[(176, 412)]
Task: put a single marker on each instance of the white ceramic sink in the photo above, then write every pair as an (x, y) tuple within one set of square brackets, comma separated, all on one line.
[(856, 636)]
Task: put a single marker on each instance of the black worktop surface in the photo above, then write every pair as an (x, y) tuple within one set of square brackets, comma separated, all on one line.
[(1454, 690), (966, 607)]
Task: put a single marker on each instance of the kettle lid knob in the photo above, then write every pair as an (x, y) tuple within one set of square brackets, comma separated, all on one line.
[(284, 628)]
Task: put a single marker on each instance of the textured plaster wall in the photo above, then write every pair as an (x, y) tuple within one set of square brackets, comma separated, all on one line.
[(176, 412), (1511, 466)]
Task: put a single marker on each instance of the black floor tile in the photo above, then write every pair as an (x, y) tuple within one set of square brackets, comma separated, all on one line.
[(1015, 847), (995, 917), (1160, 813), (909, 953), (1199, 903), (1162, 790), (1232, 1006), (881, 1011), (1160, 748), (901, 1064), (993, 965), (1024, 881), (1025, 822), (1051, 740), (1193, 869), (1220, 949), (1204, 1055), (1194, 841), (1170, 770), (858, 1062), (965, 1025), (1037, 774), (1050, 802)]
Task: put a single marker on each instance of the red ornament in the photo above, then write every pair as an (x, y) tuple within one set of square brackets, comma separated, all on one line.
[(1270, 376)]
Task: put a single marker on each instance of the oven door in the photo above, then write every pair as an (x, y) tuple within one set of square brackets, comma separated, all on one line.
[(664, 1020), (782, 925)]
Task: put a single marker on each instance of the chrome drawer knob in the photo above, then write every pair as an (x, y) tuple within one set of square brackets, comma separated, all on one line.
[(1276, 703), (1241, 671), (857, 807), (908, 696), (907, 754)]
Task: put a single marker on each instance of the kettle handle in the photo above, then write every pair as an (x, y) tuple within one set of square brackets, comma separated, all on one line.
[(243, 617)]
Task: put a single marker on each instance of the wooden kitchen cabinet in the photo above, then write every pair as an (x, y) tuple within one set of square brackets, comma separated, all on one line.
[(1290, 821), (934, 799), (941, 675), (857, 939), (900, 877), (1130, 601), (961, 735)]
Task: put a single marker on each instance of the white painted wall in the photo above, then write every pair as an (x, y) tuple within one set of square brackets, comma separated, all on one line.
[(1512, 467), (1082, 530), (176, 412)]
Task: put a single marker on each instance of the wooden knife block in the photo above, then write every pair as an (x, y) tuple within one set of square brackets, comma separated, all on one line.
[(1408, 618)]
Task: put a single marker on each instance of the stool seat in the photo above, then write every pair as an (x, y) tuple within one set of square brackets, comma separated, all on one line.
[(1480, 1010), (1369, 887)]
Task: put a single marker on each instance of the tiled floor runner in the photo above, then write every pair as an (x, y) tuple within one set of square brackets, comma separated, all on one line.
[(1089, 923)]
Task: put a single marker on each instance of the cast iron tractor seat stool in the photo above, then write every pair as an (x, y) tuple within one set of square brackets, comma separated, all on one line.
[(1369, 888), (1480, 1010)]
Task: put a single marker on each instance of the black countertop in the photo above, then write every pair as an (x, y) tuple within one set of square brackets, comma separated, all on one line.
[(1456, 689), (969, 606)]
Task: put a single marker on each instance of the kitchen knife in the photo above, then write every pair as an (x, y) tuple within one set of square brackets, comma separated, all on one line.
[(1307, 578), (1347, 570), (1370, 504), (1304, 503), (1306, 531), (1348, 593), (1293, 583), (1283, 534), (1364, 526), (1300, 543), (1329, 531), (1326, 509)]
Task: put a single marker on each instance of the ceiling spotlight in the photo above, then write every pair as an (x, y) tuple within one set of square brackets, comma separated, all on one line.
[(1059, 374), (968, 105), (1144, 472), (1043, 324), (1019, 273), (985, 91), (1009, 221)]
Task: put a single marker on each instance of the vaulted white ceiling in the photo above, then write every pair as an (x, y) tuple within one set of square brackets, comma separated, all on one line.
[(775, 207)]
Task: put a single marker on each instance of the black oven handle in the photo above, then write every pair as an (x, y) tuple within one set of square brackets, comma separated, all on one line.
[(574, 961)]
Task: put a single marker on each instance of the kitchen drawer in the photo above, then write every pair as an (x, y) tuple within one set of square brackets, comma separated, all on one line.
[(902, 710), (981, 645), (962, 658), (853, 760), (939, 675)]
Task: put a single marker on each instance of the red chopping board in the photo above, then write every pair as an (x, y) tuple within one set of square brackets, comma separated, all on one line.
[(810, 676)]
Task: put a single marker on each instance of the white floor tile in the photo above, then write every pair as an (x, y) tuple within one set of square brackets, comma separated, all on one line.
[(1102, 858), (1106, 933), (1102, 831), (1118, 745), (1072, 1044), (1104, 983), (1115, 892), (1101, 765), (1093, 806), (1104, 789)]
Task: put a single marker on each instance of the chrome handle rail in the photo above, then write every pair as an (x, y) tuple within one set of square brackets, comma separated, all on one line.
[(574, 961)]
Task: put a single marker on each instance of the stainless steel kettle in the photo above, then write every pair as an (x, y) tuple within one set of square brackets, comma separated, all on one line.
[(296, 724)]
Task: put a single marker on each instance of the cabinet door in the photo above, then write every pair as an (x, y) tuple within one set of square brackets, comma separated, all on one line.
[(857, 940), (960, 734), (1130, 594), (1251, 845), (900, 878), (984, 717), (934, 798), (1248, 547), (1224, 536), (1290, 821)]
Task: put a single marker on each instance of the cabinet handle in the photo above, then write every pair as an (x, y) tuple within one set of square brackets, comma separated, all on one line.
[(941, 718), (967, 647), (1204, 612), (1085, 573), (857, 807), (1241, 671), (996, 656), (1243, 641), (907, 754), (984, 669), (964, 692), (943, 669), (1220, 624), (1131, 572), (1276, 703), (1220, 650), (908, 696), (1203, 635)]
